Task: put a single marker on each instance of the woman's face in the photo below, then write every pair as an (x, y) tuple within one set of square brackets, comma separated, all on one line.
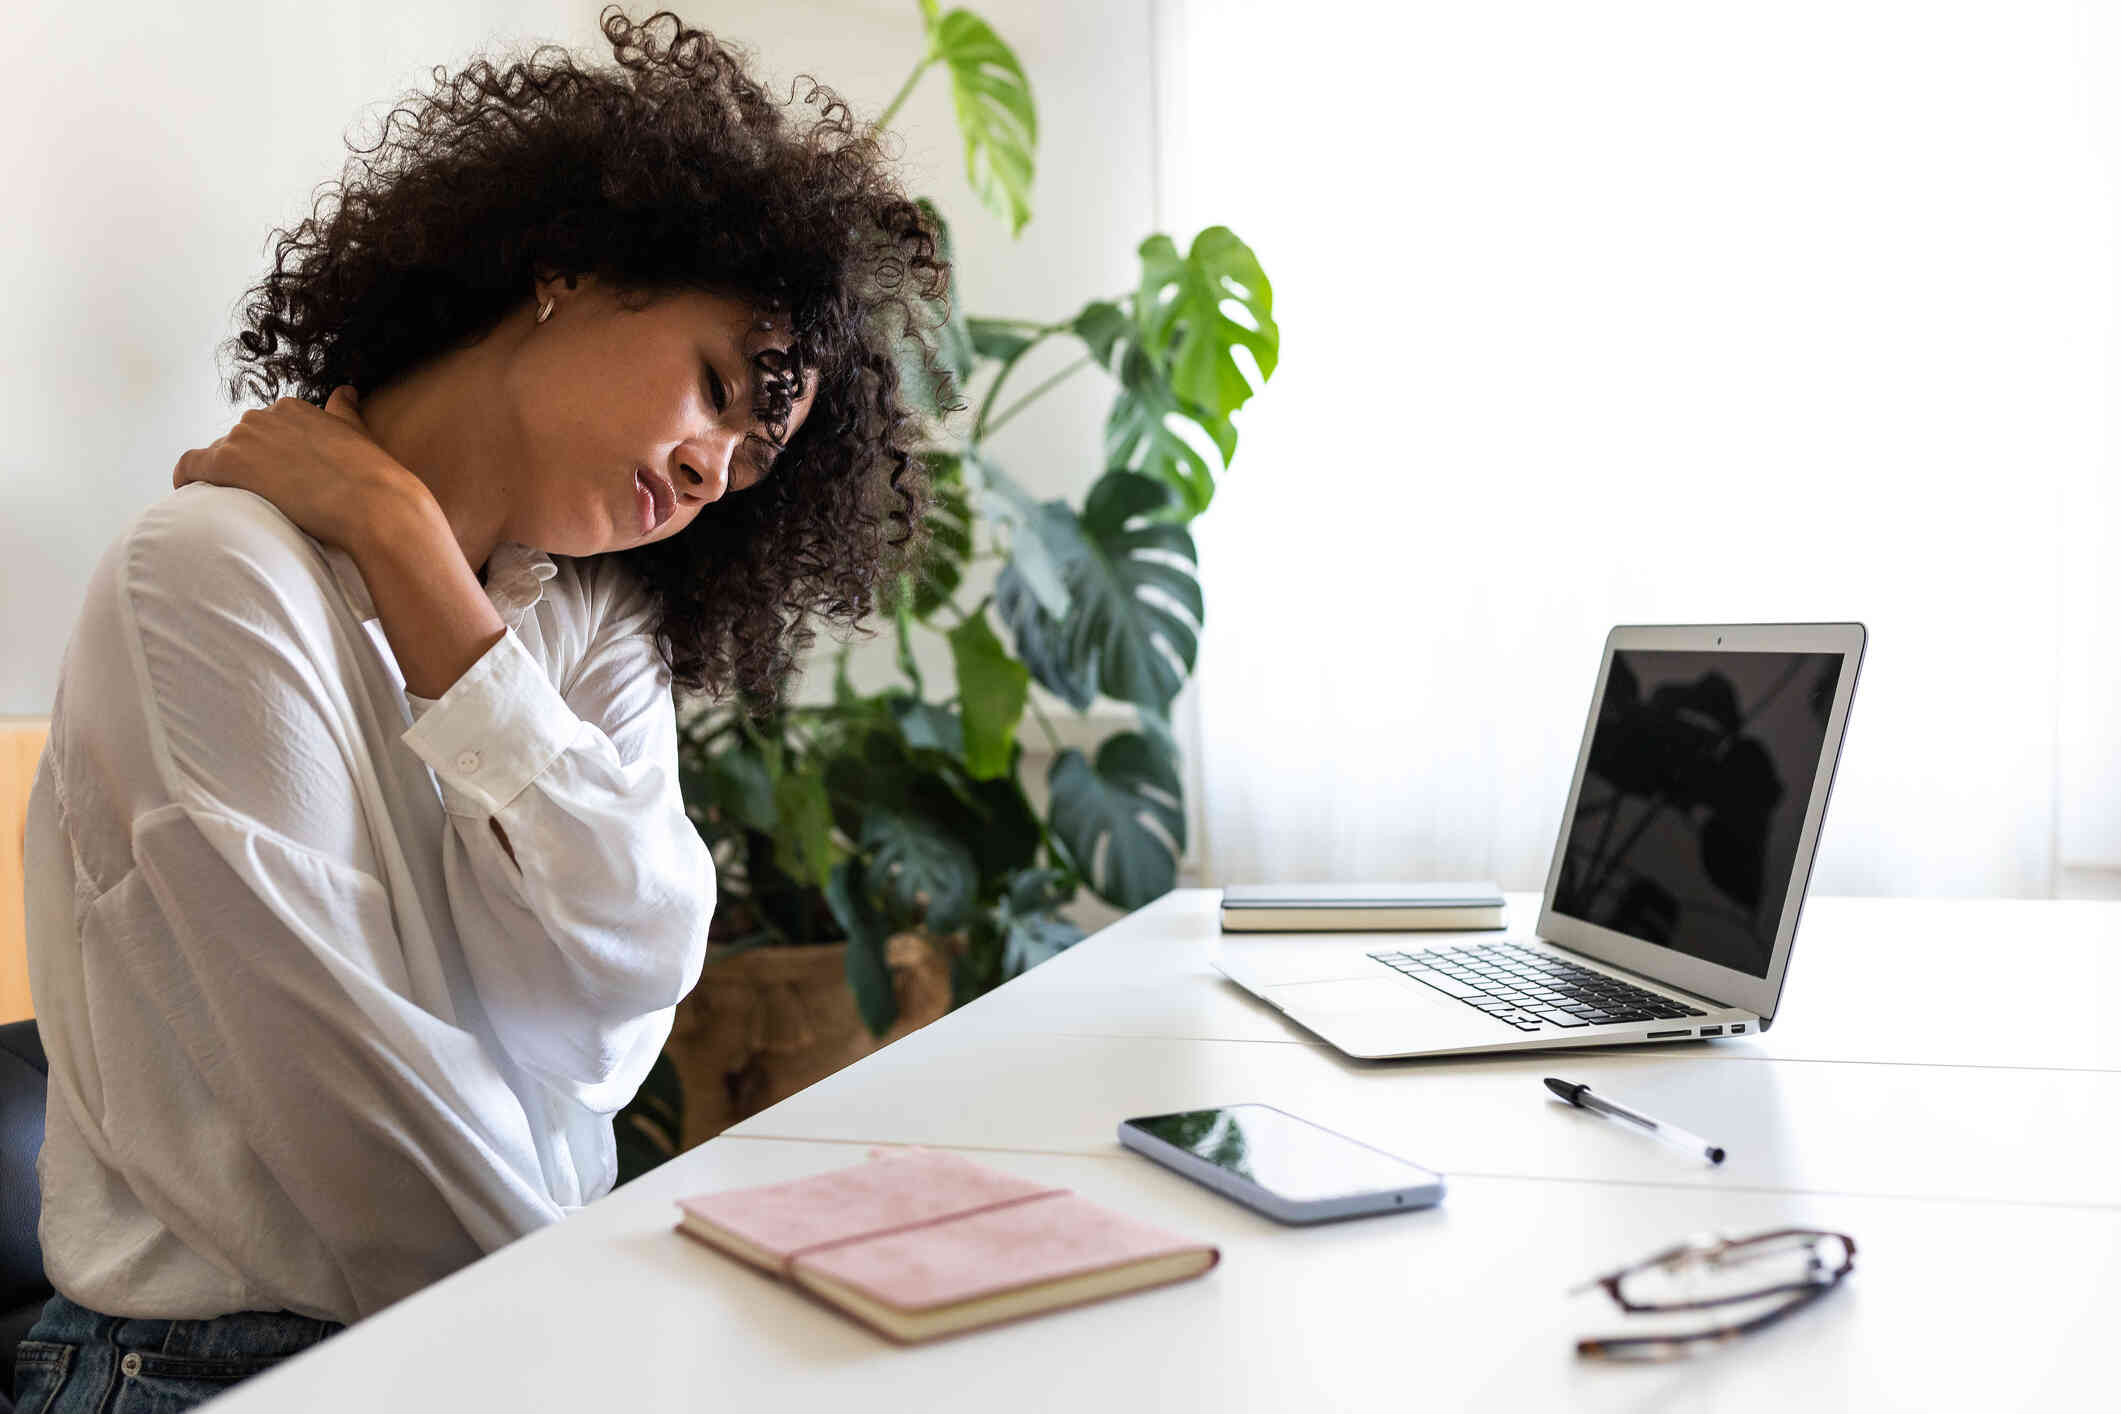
[(632, 422)]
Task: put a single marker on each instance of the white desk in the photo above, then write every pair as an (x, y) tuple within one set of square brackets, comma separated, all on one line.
[(1972, 1148)]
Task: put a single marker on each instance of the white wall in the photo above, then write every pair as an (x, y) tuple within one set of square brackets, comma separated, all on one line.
[(150, 155), (1665, 312)]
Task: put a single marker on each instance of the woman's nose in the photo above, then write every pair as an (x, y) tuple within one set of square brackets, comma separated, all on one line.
[(704, 475)]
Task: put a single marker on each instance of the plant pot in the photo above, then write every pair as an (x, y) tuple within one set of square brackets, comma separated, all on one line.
[(766, 1021)]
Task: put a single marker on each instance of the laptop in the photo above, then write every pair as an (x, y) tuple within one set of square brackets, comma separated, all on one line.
[(1672, 899)]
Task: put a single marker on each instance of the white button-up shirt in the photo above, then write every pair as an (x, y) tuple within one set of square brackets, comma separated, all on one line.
[(316, 1041)]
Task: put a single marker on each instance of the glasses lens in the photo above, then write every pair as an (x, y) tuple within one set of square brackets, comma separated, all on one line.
[(1734, 1273)]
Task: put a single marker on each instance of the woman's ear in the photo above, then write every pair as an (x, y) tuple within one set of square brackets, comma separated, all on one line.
[(545, 284)]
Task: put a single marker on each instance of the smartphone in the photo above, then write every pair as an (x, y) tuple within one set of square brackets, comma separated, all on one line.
[(1292, 1170)]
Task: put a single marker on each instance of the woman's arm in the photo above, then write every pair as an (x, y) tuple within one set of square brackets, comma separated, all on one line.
[(584, 936), (434, 611)]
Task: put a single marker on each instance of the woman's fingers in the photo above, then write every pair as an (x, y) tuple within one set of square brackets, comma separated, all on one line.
[(192, 465), (320, 467), (344, 403)]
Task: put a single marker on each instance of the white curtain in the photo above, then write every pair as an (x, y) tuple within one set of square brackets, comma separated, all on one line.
[(1656, 313)]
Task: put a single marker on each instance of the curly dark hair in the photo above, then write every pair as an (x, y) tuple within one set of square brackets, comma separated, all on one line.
[(671, 172)]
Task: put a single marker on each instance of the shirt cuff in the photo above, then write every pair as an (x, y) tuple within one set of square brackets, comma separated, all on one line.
[(494, 732)]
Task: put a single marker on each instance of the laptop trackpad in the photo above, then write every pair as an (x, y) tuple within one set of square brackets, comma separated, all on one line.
[(1357, 995), (1387, 1017), (1275, 961)]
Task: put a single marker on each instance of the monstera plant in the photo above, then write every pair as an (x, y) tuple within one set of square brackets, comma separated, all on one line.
[(906, 808)]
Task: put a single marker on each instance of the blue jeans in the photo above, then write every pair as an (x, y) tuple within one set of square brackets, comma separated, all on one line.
[(78, 1361)]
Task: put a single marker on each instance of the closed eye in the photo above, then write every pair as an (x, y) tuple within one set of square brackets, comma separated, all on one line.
[(762, 450)]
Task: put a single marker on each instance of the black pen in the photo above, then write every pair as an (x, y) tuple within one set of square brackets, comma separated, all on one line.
[(1580, 1095)]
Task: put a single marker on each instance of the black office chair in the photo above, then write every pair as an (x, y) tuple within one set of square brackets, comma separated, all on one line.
[(23, 1290)]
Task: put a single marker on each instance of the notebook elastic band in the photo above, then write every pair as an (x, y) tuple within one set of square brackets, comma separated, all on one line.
[(788, 1262)]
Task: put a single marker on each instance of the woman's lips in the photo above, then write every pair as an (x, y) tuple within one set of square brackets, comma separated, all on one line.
[(654, 497)]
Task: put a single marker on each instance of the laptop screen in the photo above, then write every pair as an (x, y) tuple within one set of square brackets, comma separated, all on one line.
[(1694, 797)]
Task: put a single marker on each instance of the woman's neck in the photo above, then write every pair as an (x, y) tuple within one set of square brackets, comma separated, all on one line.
[(429, 421)]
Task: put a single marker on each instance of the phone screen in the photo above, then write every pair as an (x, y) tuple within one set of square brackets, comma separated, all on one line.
[(1282, 1153)]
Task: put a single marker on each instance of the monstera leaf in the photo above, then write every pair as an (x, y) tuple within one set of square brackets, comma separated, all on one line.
[(1104, 327), (1180, 313), (1139, 434), (1044, 543), (927, 873), (1038, 641), (1031, 930), (1119, 636), (928, 727), (1114, 802), (1174, 359), (994, 110), (1031, 938), (1037, 890)]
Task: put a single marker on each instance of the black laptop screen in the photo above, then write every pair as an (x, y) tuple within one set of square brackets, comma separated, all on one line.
[(1693, 800)]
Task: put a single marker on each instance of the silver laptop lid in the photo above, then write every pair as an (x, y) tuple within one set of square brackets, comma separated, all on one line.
[(1694, 813)]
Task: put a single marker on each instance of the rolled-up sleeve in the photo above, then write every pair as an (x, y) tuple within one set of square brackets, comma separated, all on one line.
[(584, 942)]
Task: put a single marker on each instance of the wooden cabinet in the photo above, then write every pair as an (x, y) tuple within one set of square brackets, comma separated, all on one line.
[(21, 743)]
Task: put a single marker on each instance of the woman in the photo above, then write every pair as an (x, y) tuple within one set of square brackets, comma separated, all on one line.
[(361, 891)]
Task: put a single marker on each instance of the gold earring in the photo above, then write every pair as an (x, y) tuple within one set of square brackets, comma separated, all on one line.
[(544, 311)]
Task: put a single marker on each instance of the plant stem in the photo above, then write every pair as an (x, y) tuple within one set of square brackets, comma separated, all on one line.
[(1017, 406), (905, 88), (979, 424)]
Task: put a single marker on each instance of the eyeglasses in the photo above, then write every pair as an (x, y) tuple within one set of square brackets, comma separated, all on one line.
[(1776, 1272)]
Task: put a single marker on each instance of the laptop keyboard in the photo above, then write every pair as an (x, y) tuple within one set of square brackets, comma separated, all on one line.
[(1531, 990)]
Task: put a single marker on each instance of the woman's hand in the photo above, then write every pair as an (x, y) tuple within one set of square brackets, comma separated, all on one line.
[(318, 465)]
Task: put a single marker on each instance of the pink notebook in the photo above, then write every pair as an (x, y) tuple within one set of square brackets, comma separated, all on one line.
[(919, 1243)]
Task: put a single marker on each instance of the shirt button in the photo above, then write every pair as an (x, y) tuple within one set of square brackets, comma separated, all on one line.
[(130, 1364), (468, 761)]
